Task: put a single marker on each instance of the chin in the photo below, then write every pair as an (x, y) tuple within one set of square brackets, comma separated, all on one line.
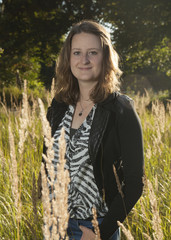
[(87, 78)]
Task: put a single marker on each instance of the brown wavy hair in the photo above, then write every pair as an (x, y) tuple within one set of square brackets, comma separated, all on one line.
[(67, 88)]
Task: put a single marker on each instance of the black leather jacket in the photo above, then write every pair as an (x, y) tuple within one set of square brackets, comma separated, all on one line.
[(115, 138)]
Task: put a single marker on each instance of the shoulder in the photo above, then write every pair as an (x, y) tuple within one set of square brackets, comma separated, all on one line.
[(126, 112), (118, 102), (123, 103), (56, 108), (56, 104), (122, 108)]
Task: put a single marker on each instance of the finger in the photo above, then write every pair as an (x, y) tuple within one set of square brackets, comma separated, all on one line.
[(82, 228)]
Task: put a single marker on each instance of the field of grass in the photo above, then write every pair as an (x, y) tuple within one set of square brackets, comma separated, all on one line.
[(21, 143)]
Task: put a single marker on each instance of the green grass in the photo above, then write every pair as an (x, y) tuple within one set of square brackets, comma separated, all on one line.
[(157, 151)]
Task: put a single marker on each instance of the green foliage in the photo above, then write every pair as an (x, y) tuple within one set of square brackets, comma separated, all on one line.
[(35, 29), (28, 67), (141, 33), (157, 58), (12, 96), (32, 33), (31, 157), (23, 67), (1, 51), (161, 56), (28, 39), (138, 21)]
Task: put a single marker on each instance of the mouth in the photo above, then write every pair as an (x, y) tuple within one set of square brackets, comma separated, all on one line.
[(85, 68)]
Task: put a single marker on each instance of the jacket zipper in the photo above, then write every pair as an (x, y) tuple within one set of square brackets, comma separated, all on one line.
[(103, 189)]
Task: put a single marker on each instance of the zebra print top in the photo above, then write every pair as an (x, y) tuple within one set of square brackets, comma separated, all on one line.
[(83, 191)]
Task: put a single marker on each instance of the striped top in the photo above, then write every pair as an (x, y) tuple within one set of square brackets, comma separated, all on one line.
[(82, 190)]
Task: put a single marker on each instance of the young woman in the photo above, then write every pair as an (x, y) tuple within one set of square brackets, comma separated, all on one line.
[(102, 130)]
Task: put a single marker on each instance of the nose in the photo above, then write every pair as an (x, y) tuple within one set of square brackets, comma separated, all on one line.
[(85, 59)]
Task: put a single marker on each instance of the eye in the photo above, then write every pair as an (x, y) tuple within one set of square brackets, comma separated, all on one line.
[(92, 53), (76, 53)]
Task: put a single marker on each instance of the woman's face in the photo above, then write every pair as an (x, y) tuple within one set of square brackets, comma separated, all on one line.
[(86, 57)]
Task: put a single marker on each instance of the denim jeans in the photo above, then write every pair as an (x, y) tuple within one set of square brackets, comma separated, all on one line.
[(74, 232)]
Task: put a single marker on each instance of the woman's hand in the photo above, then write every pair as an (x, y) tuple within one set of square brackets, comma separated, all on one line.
[(88, 234)]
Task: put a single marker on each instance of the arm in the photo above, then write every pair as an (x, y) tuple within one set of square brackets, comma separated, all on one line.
[(131, 145)]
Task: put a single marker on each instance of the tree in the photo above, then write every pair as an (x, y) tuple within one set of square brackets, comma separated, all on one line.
[(33, 31), (139, 28)]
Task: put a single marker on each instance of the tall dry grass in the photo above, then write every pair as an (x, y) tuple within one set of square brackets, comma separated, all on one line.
[(56, 214), (151, 218), (21, 141), (95, 225)]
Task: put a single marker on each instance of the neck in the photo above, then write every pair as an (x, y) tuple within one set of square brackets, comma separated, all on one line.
[(85, 90)]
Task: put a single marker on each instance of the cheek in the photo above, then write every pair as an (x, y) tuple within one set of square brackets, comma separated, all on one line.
[(73, 61), (99, 60), (99, 63), (72, 66)]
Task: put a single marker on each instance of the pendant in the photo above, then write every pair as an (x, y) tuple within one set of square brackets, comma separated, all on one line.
[(80, 114)]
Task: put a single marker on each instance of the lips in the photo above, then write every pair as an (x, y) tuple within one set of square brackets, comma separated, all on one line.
[(84, 69)]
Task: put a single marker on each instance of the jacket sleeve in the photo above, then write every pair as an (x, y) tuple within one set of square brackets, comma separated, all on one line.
[(131, 145)]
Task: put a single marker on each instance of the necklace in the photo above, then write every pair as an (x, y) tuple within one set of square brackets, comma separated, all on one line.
[(82, 109)]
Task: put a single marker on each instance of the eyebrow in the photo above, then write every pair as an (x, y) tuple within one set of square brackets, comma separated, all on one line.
[(87, 49)]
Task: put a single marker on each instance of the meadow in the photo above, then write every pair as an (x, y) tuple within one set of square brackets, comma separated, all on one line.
[(21, 146)]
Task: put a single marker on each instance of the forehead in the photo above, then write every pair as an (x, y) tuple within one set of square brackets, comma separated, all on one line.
[(84, 40)]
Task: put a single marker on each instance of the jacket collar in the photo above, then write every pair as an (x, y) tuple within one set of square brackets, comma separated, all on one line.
[(57, 110)]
